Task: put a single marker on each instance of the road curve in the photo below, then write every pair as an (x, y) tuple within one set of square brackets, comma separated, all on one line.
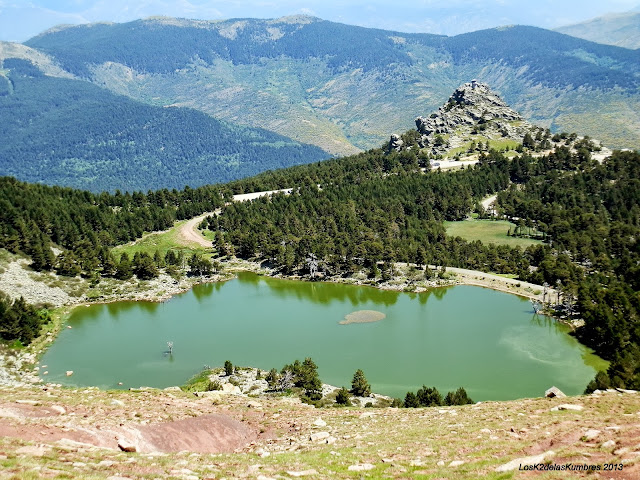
[(189, 234)]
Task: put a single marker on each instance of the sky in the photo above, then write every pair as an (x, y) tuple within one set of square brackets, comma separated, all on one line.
[(23, 19)]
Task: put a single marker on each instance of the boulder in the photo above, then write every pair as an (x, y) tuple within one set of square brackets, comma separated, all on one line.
[(532, 460), (320, 423), (395, 143), (319, 436), (58, 409), (554, 392), (590, 434), (230, 389)]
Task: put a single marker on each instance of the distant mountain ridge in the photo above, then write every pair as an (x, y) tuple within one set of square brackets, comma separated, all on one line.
[(620, 29), (345, 88)]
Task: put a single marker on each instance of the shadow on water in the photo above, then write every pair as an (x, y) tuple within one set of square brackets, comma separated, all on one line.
[(117, 308)]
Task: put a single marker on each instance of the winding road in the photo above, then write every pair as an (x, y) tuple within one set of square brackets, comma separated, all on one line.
[(189, 233)]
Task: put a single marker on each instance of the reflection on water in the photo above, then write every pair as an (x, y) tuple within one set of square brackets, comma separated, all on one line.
[(325, 292), (484, 340)]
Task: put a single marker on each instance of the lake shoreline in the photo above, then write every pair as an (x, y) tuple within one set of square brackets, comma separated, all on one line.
[(17, 368)]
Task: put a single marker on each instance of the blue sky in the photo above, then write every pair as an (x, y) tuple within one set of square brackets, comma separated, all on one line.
[(22, 19)]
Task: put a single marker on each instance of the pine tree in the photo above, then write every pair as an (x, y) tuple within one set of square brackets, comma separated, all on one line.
[(359, 385)]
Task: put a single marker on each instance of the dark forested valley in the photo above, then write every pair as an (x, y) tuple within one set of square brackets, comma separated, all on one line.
[(72, 133)]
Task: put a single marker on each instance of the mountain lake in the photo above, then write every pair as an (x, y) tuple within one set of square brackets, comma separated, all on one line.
[(489, 342)]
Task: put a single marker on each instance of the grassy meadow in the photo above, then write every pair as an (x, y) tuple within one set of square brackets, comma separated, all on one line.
[(487, 231)]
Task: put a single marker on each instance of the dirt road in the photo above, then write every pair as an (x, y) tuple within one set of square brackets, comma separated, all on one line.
[(497, 282), (189, 234)]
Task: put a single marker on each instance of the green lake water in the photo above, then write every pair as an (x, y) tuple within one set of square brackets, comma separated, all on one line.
[(487, 341)]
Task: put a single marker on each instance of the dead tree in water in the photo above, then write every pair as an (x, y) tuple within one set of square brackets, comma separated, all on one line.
[(536, 306)]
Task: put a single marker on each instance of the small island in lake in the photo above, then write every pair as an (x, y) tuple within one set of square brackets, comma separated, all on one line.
[(363, 316)]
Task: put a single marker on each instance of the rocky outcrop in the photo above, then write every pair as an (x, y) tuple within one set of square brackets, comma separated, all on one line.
[(395, 143), (473, 109)]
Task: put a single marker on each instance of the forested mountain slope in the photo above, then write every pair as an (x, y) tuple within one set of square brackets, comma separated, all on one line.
[(69, 132), (346, 88)]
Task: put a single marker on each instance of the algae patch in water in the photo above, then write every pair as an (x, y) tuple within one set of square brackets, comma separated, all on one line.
[(363, 316)]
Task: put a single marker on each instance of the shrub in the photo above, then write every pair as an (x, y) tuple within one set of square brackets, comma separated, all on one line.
[(213, 385), (342, 398)]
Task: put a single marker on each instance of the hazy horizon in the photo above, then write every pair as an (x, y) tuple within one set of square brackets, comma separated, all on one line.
[(21, 20)]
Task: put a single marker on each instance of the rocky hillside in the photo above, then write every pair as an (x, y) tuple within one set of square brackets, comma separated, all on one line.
[(472, 109), (344, 88), (53, 432)]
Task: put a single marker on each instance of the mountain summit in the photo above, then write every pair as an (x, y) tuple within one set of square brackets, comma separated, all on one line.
[(473, 112)]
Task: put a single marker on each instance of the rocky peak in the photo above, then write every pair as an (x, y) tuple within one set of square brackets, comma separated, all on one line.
[(473, 110)]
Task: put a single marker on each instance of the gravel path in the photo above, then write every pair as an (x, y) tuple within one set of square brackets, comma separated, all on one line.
[(189, 233)]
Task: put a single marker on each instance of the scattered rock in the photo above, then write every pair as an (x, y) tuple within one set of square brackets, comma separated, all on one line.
[(320, 423), (608, 444), (331, 440), (319, 436), (554, 392), (28, 402), (262, 452), (622, 390), (58, 409), (621, 451), (69, 373), (106, 463), (302, 473), (252, 404), (456, 463), (566, 406), (590, 434), (515, 464), (119, 403), (125, 445), (440, 463), (361, 467), (168, 389), (34, 450)]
